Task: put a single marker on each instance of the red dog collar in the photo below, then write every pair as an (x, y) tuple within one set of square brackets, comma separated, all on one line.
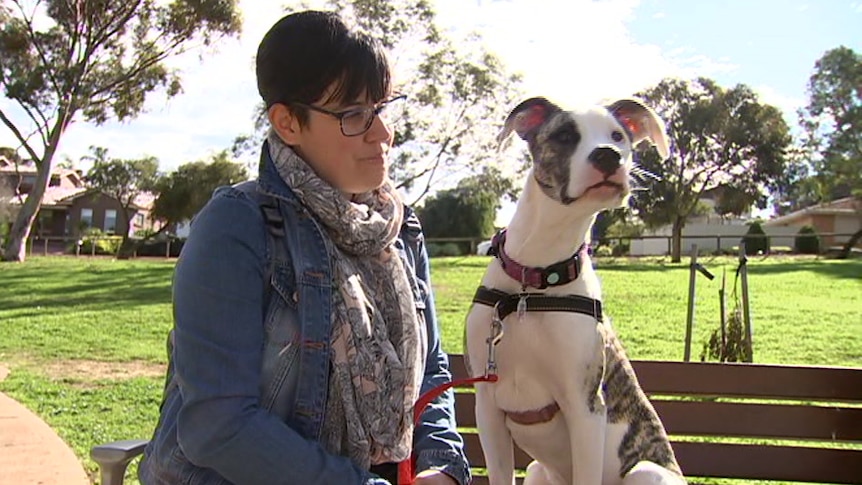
[(557, 274)]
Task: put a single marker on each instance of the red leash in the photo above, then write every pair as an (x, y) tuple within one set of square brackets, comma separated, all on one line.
[(405, 468)]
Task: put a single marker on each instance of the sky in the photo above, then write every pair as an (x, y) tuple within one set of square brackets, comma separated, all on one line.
[(571, 51)]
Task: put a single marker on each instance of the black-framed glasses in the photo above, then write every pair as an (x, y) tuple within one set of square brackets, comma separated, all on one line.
[(356, 121)]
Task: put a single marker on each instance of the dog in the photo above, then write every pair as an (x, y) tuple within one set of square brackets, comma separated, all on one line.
[(565, 390)]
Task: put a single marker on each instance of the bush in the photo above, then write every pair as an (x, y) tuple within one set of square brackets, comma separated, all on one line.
[(755, 240), (105, 244), (807, 241), (159, 248), (621, 249), (436, 250), (604, 251)]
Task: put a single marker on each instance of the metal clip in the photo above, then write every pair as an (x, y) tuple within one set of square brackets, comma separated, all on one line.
[(522, 306), (492, 341)]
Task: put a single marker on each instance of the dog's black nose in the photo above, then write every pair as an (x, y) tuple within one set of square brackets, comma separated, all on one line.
[(606, 159)]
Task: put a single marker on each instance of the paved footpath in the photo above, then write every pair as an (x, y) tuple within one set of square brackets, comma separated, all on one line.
[(31, 453)]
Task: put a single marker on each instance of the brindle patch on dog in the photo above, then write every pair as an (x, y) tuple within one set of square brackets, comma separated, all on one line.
[(626, 402), (552, 149)]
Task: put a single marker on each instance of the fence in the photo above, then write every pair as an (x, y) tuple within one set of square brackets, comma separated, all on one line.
[(88, 246), (638, 245)]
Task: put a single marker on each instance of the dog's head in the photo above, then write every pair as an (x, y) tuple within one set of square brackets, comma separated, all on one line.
[(585, 154)]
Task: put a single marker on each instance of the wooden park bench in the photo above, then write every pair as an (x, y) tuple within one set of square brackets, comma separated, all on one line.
[(743, 421)]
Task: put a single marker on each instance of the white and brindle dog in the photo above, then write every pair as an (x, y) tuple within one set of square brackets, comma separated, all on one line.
[(566, 392)]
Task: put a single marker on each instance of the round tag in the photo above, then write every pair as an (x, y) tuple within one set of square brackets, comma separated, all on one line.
[(553, 278)]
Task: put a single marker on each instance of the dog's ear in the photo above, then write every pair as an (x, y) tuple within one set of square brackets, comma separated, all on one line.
[(527, 117), (642, 123)]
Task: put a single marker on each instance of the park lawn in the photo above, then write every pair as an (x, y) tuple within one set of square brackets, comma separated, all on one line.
[(84, 338)]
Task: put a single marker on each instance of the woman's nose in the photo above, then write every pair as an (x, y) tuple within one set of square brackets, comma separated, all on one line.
[(379, 131)]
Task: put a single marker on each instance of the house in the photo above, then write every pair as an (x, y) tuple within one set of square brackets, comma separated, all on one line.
[(841, 217), (68, 206), (709, 230)]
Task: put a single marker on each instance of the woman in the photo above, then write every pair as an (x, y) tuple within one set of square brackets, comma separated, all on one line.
[(304, 321)]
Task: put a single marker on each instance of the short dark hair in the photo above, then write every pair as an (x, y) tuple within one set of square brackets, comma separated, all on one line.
[(306, 52)]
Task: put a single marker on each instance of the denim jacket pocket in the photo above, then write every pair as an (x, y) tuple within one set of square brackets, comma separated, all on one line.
[(281, 348)]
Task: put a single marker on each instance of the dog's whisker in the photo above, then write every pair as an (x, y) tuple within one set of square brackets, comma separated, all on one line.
[(640, 171)]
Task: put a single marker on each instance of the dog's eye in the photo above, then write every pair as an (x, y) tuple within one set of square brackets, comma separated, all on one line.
[(566, 135), (617, 136)]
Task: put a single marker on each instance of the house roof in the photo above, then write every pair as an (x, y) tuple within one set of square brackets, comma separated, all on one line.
[(142, 201), (8, 166), (56, 197), (843, 206)]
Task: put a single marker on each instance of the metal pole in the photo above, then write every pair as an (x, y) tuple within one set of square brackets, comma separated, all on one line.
[(689, 322), (746, 315), (723, 316)]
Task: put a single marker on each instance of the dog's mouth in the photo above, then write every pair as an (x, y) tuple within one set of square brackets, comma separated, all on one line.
[(606, 183)]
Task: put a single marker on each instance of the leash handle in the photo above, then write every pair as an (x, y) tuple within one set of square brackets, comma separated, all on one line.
[(405, 468)]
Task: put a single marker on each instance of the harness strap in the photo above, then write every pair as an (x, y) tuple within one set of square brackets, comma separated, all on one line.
[(507, 303)]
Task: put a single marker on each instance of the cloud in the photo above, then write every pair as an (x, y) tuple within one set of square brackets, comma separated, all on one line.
[(787, 104)]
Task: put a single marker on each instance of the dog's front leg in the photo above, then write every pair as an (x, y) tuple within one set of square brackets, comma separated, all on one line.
[(495, 438), (587, 441)]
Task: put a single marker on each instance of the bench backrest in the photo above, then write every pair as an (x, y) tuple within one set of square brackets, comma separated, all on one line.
[(746, 421)]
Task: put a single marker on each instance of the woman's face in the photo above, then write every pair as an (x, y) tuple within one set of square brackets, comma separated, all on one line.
[(352, 164)]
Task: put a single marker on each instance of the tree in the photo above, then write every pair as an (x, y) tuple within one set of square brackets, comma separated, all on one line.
[(833, 123), (122, 180), (92, 60), (184, 192), (458, 95), (469, 209), (720, 138)]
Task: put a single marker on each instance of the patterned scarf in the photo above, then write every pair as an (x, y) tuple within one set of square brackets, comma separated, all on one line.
[(378, 338)]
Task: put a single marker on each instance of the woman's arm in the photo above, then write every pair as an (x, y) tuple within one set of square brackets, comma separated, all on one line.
[(437, 443)]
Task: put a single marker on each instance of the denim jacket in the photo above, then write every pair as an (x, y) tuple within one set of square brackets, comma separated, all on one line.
[(248, 376)]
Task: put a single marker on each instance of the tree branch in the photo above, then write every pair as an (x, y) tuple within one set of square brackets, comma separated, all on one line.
[(32, 34), (19, 136)]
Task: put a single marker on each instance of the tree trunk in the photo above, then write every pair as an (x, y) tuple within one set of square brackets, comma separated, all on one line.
[(126, 250), (676, 249), (848, 246), (16, 247)]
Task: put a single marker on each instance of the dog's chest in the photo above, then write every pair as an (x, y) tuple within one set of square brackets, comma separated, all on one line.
[(544, 358)]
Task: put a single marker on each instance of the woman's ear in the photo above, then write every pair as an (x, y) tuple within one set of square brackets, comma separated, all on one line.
[(285, 123)]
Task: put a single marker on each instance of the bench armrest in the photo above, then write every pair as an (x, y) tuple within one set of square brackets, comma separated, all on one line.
[(113, 458)]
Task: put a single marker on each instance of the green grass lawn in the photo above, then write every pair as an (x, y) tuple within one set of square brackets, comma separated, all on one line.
[(84, 338)]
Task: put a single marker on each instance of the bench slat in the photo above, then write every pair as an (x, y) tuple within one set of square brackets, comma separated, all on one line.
[(747, 380), (705, 418), (750, 380), (746, 420), (753, 462), (767, 462)]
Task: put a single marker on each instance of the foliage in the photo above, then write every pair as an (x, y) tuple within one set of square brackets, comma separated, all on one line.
[(94, 241), (458, 95), (122, 180), (439, 250), (833, 123), (729, 342), (184, 192), (734, 348), (468, 210), (721, 139), (92, 61), (755, 239), (807, 241)]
